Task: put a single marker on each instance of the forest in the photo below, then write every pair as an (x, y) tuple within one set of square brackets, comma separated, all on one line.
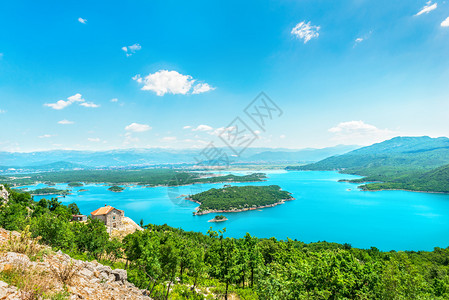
[(239, 197), (174, 264)]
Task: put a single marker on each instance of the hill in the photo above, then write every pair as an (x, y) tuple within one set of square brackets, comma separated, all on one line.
[(436, 180), (399, 154), (406, 163)]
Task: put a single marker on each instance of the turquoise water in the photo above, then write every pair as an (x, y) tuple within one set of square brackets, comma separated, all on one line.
[(324, 210)]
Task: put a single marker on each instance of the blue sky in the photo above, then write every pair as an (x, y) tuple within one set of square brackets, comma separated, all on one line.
[(343, 72)]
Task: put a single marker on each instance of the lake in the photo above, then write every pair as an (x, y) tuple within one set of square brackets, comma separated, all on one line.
[(324, 210)]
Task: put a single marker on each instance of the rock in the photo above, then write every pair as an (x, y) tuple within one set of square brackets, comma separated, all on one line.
[(120, 275), (97, 274), (17, 257), (106, 269), (86, 273)]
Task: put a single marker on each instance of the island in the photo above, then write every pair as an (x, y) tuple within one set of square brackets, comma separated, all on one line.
[(75, 184), (143, 177), (239, 198), (116, 189), (218, 218), (48, 191)]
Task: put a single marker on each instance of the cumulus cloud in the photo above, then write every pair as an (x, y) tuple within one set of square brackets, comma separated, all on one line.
[(95, 140), (305, 31), (445, 23), (427, 8), (187, 127), (45, 136), (359, 132), (171, 82), (136, 127), (202, 128), (130, 50), (359, 40), (83, 21), (65, 122), (114, 100), (61, 104), (202, 88), (89, 104)]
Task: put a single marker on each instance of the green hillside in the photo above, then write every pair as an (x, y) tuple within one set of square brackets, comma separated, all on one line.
[(409, 163), (398, 154)]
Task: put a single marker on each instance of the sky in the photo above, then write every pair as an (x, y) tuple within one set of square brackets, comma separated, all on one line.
[(97, 75)]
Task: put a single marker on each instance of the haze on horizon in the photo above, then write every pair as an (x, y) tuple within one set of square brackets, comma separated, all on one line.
[(112, 75)]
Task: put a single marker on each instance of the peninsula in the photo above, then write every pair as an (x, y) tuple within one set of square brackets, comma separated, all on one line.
[(239, 198)]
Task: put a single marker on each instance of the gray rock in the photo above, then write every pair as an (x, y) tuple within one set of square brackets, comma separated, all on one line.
[(86, 272), (106, 269), (120, 275)]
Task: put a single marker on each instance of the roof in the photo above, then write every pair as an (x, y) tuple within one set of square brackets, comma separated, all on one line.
[(102, 210)]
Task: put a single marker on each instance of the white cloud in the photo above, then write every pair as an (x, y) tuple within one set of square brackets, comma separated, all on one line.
[(445, 23), (202, 128), (130, 50), (65, 122), (61, 104), (46, 136), (136, 127), (89, 104), (359, 40), (169, 138), (305, 31), (2, 111), (83, 21), (282, 136), (171, 82), (360, 133), (427, 8), (202, 88), (95, 140), (187, 127), (114, 100)]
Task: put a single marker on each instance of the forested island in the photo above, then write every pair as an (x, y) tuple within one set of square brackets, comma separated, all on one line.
[(239, 198), (116, 189), (146, 177), (75, 184), (49, 191), (218, 218), (176, 264)]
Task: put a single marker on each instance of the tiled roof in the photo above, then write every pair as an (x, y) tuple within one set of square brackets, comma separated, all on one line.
[(102, 211)]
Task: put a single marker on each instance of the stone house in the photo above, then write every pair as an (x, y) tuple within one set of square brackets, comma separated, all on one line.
[(110, 216)]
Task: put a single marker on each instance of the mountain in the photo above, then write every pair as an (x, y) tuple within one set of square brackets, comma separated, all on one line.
[(155, 156), (399, 153), (302, 155)]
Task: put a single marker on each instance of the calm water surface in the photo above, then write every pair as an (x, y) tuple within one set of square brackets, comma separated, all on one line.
[(324, 210)]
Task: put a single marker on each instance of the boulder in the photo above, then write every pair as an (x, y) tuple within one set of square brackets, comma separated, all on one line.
[(120, 275)]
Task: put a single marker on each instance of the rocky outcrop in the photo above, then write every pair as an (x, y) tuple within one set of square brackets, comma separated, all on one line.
[(4, 194), (55, 273)]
